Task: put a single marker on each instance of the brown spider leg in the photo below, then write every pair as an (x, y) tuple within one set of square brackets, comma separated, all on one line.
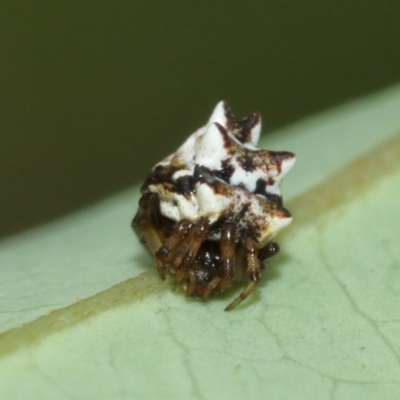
[(149, 234), (148, 208), (253, 270), (188, 249), (240, 264), (268, 250), (175, 258), (211, 287), (179, 232), (192, 281), (151, 202), (145, 222), (228, 254), (199, 230)]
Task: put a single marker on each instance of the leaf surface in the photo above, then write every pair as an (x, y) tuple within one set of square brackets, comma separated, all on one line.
[(323, 324)]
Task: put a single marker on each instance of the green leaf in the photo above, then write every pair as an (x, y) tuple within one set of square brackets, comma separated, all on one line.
[(323, 324)]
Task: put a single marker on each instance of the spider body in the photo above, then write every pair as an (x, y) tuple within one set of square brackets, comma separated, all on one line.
[(209, 211)]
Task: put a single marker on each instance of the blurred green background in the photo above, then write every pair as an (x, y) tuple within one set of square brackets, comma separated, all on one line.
[(93, 93)]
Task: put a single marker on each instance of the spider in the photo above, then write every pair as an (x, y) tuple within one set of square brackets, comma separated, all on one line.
[(209, 212)]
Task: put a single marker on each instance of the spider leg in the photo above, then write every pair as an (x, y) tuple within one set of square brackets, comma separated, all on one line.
[(240, 264), (197, 235), (253, 270), (211, 287), (148, 208), (166, 253), (149, 234), (147, 226), (268, 250), (192, 281), (154, 243), (146, 223), (228, 254), (180, 249), (187, 252)]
